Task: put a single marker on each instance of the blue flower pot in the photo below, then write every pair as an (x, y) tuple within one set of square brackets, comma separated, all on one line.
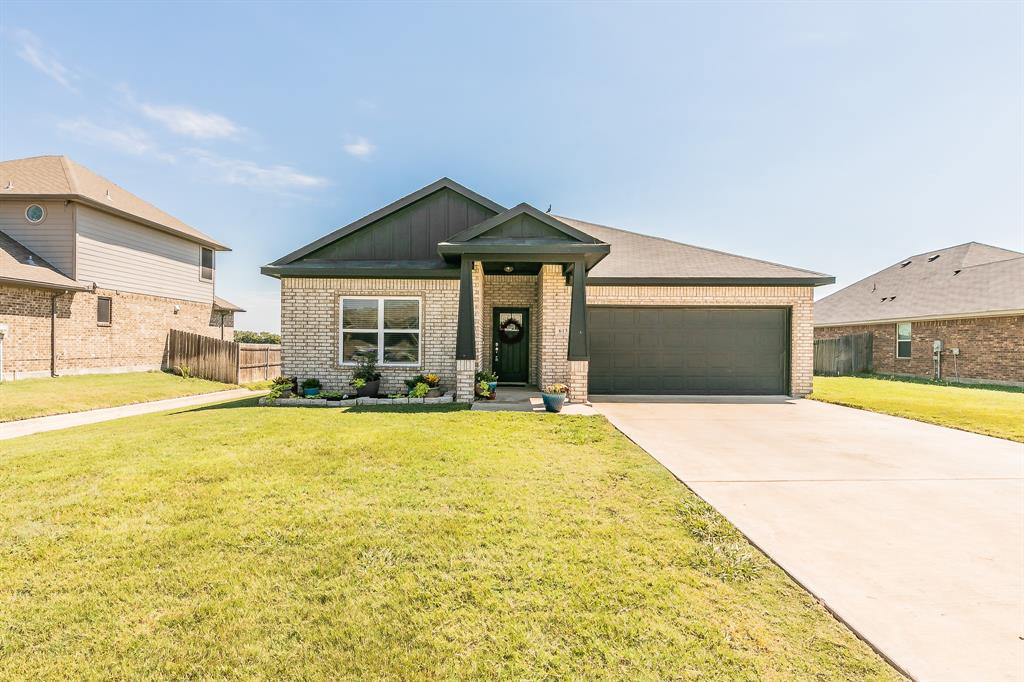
[(310, 392), (492, 386), (553, 401)]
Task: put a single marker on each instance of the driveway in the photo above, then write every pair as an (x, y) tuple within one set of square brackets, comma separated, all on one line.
[(913, 534)]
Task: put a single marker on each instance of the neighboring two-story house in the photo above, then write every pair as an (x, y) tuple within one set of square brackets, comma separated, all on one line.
[(92, 277)]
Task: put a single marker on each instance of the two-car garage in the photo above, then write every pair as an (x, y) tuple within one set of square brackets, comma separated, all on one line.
[(674, 350)]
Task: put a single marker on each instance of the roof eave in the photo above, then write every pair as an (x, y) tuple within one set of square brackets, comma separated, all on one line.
[(340, 270), (713, 281), (924, 318), (73, 286)]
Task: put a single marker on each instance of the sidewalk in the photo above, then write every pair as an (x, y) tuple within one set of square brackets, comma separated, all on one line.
[(26, 427)]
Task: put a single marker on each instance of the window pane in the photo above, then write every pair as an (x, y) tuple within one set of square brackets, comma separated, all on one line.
[(903, 349), (207, 263), (358, 345), (359, 313), (401, 347), (103, 310), (401, 314), (903, 331)]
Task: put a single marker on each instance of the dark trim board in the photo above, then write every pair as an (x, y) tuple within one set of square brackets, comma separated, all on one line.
[(713, 281)]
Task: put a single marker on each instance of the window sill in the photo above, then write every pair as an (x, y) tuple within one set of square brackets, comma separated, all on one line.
[(103, 324)]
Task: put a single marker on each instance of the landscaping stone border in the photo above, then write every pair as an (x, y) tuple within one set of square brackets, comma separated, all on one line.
[(351, 402)]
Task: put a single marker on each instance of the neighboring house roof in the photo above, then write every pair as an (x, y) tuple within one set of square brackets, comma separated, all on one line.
[(524, 231), (642, 257), (58, 177), (19, 265), (226, 305), (960, 281)]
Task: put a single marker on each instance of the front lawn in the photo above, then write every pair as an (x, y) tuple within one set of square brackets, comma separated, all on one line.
[(58, 395), (395, 543), (993, 413)]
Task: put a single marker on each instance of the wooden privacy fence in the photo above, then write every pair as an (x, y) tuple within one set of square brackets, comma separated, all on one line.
[(258, 361), (226, 361), (844, 355)]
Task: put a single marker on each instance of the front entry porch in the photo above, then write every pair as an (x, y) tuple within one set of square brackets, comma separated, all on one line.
[(527, 399)]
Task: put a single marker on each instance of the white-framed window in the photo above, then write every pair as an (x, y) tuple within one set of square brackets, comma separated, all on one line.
[(903, 340), (34, 213), (386, 328), (205, 264)]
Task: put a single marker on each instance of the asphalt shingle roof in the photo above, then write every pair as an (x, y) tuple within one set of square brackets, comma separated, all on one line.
[(968, 279), (636, 255), (19, 265), (61, 178)]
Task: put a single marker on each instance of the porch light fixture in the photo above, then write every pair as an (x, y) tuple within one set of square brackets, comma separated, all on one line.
[(508, 268)]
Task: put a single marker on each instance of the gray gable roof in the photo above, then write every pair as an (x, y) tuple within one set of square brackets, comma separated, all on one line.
[(965, 280), (19, 265), (642, 257)]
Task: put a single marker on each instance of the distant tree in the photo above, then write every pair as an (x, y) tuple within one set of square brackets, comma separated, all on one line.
[(257, 337)]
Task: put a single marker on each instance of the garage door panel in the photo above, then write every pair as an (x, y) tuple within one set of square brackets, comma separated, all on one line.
[(695, 351)]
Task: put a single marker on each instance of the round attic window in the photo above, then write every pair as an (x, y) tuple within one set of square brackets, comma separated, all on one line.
[(35, 213)]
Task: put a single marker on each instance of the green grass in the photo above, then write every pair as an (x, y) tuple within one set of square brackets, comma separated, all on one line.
[(993, 413), (932, 382), (237, 542), (41, 397)]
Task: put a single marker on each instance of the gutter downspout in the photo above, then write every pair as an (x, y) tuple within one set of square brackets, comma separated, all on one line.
[(53, 334)]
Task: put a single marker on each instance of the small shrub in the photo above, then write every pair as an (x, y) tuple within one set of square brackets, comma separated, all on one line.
[(366, 370), (311, 383), (557, 389), (284, 381), (419, 391), (358, 383), (432, 380), (184, 371), (418, 379), (332, 395), (483, 389), (486, 376), (257, 337)]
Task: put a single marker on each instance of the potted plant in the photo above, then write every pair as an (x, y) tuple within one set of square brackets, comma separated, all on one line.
[(491, 379), (483, 390), (554, 397), (282, 387), (311, 387), (368, 378), (419, 391), (433, 382)]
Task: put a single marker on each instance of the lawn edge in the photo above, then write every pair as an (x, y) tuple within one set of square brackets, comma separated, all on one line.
[(913, 419), (857, 633)]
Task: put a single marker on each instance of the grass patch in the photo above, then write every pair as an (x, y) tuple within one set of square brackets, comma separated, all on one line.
[(933, 382), (993, 413), (237, 542), (27, 398)]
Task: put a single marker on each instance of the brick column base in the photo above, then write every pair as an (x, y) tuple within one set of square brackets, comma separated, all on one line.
[(465, 380), (578, 370)]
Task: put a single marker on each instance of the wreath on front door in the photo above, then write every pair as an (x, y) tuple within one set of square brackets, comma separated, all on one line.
[(510, 331)]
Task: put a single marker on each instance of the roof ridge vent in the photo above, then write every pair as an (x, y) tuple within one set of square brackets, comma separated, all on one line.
[(934, 258), (109, 198), (905, 264), (9, 186), (30, 260)]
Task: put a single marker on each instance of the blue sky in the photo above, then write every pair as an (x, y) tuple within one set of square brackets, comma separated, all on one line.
[(836, 137)]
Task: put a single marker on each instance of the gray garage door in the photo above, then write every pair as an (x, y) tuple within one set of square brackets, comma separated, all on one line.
[(688, 351)]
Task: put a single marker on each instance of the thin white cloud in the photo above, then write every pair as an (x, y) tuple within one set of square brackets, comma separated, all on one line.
[(360, 148), (191, 123), (249, 174), (122, 138), (32, 51)]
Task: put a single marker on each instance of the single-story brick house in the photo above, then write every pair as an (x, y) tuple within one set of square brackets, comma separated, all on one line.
[(445, 280), (92, 277), (968, 297)]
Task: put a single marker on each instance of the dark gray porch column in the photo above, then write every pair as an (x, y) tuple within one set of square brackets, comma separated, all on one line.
[(579, 348), (465, 340)]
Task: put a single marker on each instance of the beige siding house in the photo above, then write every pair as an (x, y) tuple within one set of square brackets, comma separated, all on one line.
[(448, 281), (92, 277)]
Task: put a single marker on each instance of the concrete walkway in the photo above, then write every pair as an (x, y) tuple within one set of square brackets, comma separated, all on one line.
[(527, 399), (913, 534), (25, 427)]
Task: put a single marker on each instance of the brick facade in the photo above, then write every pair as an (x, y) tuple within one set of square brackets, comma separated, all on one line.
[(800, 301), (991, 348), (310, 309), (135, 340)]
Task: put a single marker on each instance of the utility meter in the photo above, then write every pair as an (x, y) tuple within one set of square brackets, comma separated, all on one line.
[(937, 346)]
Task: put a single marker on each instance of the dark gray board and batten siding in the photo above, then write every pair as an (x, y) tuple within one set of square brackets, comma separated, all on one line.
[(411, 233)]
